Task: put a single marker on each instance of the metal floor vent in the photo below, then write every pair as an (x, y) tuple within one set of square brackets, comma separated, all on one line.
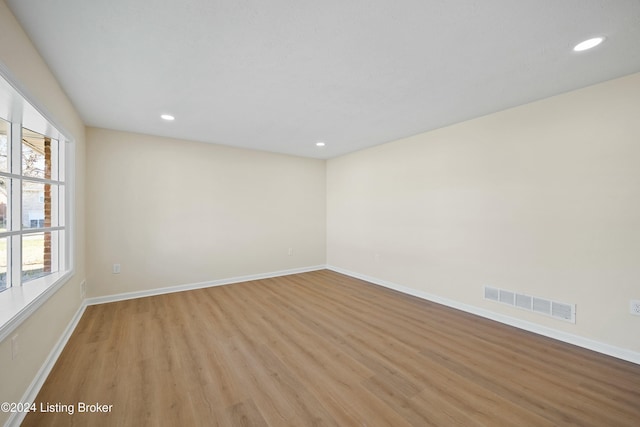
[(558, 310)]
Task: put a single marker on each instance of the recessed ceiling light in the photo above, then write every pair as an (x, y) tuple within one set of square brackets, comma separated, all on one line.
[(319, 144), (167, 117), (588, 44)]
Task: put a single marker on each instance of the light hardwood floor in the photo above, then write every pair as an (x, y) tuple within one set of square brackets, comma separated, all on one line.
[(321, 348)]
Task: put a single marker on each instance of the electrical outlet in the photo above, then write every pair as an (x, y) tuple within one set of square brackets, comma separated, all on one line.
[(83, 289), (634, 307), (116, 268), (290, 252)]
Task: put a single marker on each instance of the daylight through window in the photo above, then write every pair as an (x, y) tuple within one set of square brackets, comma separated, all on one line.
[(32, 188)]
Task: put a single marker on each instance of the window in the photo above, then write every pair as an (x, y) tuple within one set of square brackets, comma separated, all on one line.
[(34, 254), (32, 230)]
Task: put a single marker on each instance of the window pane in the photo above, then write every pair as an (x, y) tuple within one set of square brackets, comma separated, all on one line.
[(37, 155), (39, 205), (4, 144), (3, 264), (39, 255), (5, 184)]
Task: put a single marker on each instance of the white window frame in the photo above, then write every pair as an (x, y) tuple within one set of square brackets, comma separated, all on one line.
[(17, 303)]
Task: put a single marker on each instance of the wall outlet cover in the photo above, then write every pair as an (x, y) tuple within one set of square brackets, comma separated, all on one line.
[(14, 347)]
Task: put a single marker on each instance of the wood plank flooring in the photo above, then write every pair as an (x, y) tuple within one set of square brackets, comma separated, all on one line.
[(324, 349)]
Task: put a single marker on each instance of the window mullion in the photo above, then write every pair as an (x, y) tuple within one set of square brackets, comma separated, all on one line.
[(16, 148), (15, 241), (15, 260)]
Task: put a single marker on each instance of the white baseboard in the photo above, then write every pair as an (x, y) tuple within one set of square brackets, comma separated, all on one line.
[(617, 352), (200, 285), (32, 391)]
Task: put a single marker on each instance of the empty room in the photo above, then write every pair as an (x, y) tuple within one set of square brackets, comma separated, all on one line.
[(345, 213)]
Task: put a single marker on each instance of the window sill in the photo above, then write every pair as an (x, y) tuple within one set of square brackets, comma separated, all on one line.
[(18, 303)]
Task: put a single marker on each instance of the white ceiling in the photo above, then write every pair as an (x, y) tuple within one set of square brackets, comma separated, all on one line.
[(280, 75)]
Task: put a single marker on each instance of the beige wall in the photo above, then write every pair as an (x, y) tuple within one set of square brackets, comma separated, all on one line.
[(177, 212), (38, 334), (543, 199)]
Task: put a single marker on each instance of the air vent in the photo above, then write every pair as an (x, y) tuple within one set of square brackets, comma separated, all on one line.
[(558, 310), (542, 305), (524, 301), (491, 293), (507, 297), (563, 311)]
